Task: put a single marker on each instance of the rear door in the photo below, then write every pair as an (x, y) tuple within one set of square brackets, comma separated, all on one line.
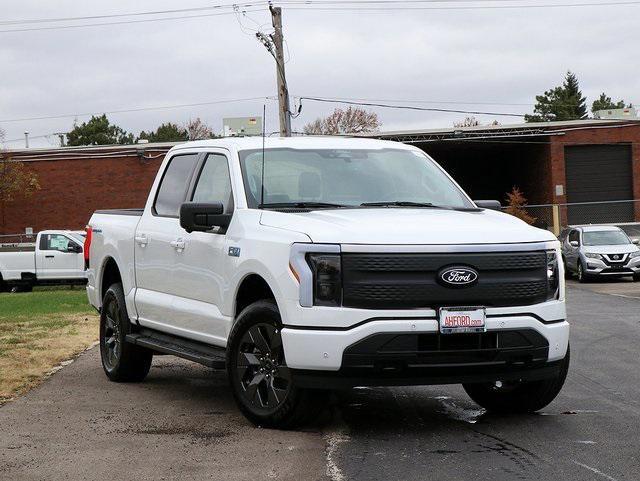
[(58, 257), (156, 256)]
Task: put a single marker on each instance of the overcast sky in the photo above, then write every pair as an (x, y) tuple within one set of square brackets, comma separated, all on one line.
[(501, 56)]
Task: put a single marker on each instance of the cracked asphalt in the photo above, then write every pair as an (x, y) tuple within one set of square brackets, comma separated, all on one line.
[(182, 422)]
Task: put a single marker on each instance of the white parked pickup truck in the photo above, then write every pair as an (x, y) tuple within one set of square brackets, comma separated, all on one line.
[(307, 264), (56, 257)]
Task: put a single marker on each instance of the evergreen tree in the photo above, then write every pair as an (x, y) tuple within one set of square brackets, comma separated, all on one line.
[(560, 103)]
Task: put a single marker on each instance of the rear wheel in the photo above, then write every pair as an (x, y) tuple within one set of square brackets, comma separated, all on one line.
[(636, 277), (582, 276), (518, 397), (260, 379), (121, 361)]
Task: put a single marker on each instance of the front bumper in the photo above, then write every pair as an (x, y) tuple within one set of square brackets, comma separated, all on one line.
[(329, 350), (597, 267)]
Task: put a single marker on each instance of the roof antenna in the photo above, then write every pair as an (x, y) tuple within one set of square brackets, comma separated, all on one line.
[(264, 110)]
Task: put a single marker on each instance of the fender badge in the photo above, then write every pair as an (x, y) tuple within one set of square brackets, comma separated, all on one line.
[(234, 251)]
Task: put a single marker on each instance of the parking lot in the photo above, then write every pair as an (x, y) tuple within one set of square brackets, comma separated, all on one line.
[(182, 422)]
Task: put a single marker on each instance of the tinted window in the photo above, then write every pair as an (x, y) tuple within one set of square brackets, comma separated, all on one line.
[(214, 183), (173, 186)]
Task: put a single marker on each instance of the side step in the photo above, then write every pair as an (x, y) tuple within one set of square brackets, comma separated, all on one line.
[(210, 356)]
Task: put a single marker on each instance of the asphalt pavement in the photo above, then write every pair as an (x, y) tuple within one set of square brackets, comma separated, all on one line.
[(182, 423)]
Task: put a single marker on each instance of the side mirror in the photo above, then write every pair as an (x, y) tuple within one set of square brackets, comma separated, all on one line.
[(574, 243), (202, 217), (489, 204), (76, 249), (635, 241)]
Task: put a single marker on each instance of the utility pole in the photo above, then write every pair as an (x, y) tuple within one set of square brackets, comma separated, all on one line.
[(283, 91), (26, 140)]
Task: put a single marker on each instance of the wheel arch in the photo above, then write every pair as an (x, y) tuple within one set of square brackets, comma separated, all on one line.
[(109, 274), (253, 287)]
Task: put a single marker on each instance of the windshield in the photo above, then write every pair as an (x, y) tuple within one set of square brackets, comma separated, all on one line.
[(604, 238), (347, 178)]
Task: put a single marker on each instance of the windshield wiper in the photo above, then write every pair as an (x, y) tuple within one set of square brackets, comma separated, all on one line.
[(401, 203), (299, 205)]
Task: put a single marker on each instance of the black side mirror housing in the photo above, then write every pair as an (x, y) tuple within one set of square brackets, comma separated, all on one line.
[(75, 249), (489, 204), (203, 217)]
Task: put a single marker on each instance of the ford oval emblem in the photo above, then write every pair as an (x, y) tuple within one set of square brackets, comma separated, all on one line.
[(458, 276)]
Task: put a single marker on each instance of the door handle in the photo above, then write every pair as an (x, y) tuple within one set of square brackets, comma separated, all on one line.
[(178, 244), (142, 240), (49, 257)]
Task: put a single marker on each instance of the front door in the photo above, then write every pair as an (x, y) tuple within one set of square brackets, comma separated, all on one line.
[(200, 277), (59, 257)]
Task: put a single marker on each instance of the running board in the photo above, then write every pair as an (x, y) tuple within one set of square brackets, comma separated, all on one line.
[(210, 356)]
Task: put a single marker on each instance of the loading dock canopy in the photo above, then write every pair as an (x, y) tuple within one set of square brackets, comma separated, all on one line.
[(489, 161)]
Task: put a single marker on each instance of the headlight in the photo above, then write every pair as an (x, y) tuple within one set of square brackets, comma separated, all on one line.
[(635, 254), (592, 255), (553, 279), (327, 279)]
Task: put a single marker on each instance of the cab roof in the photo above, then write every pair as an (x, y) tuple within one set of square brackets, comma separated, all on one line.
[(301, 142)]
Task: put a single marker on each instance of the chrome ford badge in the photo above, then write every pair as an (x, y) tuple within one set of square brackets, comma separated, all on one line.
[(458, 276)]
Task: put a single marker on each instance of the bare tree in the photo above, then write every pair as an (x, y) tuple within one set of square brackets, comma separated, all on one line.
[(198, 130), (353, 120), (15, 179)]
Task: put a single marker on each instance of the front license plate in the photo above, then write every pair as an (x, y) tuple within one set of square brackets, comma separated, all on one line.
[(454, 320)]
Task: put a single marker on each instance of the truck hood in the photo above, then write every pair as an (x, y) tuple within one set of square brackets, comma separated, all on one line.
[(406, 226)]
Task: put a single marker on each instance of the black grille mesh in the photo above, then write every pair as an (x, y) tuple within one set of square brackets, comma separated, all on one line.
[(410, 280)]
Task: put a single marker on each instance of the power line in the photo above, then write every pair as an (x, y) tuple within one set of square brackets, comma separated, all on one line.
[(139, 109), (123, 22), (382, 7), (134, 14), (407, 107)]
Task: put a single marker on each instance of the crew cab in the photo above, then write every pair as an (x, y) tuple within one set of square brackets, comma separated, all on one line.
[(56, 257), (306, 264)]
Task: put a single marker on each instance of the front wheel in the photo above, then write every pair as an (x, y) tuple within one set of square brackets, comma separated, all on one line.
[(260, 379), (121, 361), (518, 397)]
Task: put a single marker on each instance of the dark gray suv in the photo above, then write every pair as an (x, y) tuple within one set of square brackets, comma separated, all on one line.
[(599, 250)]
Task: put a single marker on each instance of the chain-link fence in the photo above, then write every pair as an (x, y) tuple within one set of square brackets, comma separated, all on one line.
[(554, 217)]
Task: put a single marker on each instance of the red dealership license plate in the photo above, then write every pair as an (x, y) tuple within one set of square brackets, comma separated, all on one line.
[(454, 320)]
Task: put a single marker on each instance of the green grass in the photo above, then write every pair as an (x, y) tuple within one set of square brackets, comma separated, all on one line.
[(38, 330), (28, 305)]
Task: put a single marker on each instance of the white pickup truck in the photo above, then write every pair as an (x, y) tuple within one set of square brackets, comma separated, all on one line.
[(307, 264), (56, 257)]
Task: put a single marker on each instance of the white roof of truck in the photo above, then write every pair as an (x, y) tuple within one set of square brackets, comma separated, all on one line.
[(305, 142)]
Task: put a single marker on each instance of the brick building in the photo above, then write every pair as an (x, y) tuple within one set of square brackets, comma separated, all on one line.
[(552, 162), (75, 181)]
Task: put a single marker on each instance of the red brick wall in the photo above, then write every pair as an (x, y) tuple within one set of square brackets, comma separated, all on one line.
[(628, 133), (71, 189)]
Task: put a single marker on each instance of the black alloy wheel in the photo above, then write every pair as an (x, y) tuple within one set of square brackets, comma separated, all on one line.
[(262, 371)]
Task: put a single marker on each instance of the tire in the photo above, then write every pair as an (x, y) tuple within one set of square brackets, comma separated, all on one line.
[(518, 397), (636, 277), (260, 379), (121, 361), (567, 272)]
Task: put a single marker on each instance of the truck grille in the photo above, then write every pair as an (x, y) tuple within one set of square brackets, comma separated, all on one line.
[(399, 281)]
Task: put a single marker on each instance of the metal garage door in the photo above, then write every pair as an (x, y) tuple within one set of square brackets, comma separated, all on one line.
[(599, 173)]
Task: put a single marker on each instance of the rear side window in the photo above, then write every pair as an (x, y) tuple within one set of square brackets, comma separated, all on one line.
[(214, 182), (174, 184)]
